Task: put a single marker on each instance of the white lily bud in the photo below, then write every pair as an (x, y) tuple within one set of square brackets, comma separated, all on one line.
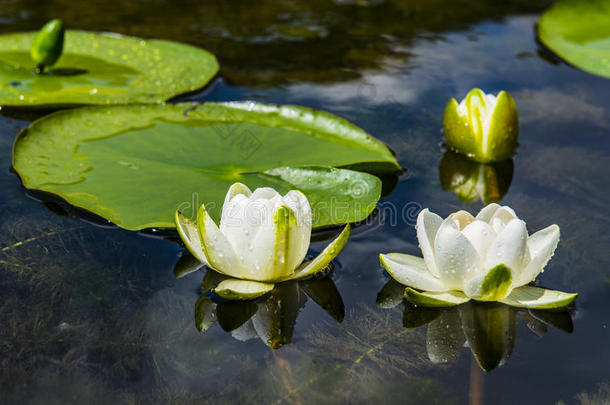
[(269, 233), (263, 237), (482, 126)]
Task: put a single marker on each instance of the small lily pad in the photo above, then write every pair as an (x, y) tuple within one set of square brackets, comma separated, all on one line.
[(136, 165), (579, 32), (101, 68)]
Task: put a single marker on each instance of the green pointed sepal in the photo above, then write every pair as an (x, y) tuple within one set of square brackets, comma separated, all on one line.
[(241, 290), (189, 234), (435, 299), (493, 286), (538, 298), (319, 265)]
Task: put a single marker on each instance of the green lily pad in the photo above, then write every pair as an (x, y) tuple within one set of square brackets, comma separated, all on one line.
[(136, 165), (579, 32), (101, 68)]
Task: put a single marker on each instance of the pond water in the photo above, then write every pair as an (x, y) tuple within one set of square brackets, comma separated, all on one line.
[(94, 314)]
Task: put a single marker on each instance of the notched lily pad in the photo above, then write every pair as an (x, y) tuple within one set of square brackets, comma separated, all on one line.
[(101, 68), (136, 165)]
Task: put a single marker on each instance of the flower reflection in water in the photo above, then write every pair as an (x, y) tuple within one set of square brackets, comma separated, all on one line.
[(488, 329), (470, 180), (270, 318)]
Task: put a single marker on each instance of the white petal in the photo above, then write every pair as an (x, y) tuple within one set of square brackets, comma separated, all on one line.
[(481, 235), (497, 225), (248, 225), (427, 227), (265, 193), (487, 212), (501, 218), (261, 249), (240, 224), (232, 212), (273, 258), (231, 215), (462, 218), (541, 247), (411, 271), (509, 247), (237, 189), (506, 213), (456, 257), (219, 252)]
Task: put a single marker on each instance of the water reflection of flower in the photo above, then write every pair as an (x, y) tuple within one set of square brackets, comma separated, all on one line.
[(470, 180), (270, 318), (488, 329)]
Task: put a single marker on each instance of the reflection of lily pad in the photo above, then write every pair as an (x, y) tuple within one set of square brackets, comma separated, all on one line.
[(135, 165), (101, 68), (579, 32)]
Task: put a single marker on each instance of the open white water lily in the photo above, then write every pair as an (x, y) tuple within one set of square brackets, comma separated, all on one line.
[(489, 257), (482, 126), (262, 239)]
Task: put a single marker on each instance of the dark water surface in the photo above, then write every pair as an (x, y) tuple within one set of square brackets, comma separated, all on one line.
[(94, 315)]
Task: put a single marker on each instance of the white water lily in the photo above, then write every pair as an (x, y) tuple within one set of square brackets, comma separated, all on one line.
[(482, 126), (489, 257), (262, 239)]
